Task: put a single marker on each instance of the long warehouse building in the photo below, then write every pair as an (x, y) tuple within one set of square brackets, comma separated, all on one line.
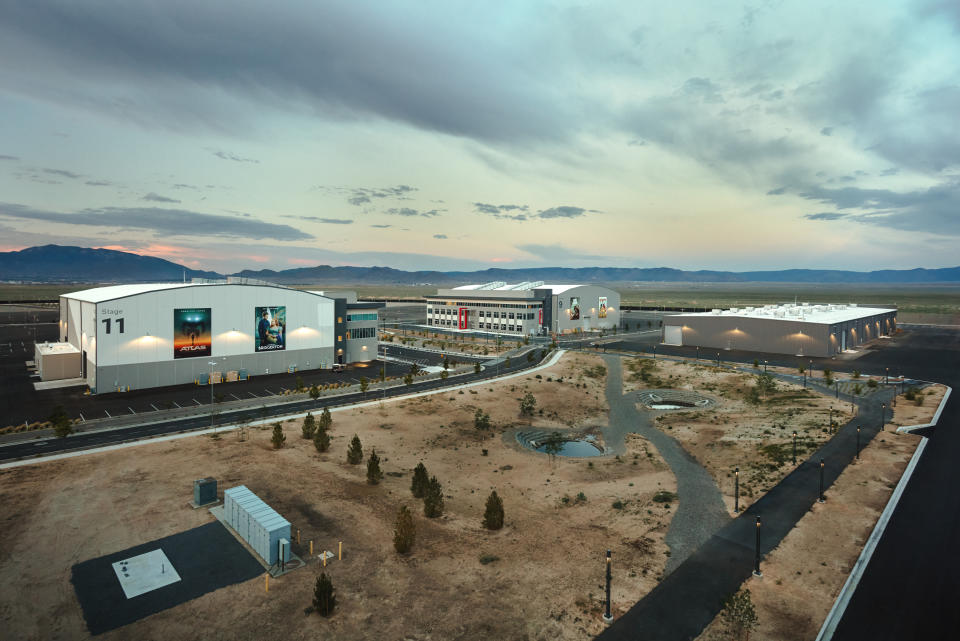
[(152, 335), (802, 330)]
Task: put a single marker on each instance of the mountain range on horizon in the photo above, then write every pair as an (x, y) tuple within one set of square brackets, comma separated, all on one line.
[(58, 263)]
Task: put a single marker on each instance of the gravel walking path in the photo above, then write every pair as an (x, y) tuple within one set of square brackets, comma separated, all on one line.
[(701, 510)]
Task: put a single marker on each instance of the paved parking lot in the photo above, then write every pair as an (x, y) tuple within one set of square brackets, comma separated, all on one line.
[(20, 402)]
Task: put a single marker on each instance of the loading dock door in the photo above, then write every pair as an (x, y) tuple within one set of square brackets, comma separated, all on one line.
[(672, 335)]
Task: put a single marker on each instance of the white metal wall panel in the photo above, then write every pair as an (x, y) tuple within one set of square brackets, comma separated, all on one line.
[(673, 335)]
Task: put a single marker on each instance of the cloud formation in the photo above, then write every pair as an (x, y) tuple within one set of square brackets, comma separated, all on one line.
[(410, 212), (157, 198), (162, 222), (440, 236), (61, 172), (226, 155)]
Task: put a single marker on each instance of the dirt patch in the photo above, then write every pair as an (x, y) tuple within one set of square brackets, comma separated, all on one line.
[(907, 412), (540, 577), (750, 428), (804, 574)]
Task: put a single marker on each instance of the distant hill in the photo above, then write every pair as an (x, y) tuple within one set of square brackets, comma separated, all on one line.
[(387, 275), (55, 263)]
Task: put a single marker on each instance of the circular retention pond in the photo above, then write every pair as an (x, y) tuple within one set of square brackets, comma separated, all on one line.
[(543, 442), (666, 399)]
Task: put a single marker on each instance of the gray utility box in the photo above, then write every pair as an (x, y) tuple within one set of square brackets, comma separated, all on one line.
[(256, 523), (205, 491)]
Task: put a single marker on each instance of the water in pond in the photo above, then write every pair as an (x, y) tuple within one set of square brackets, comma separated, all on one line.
[(667, 406), (583, 447)]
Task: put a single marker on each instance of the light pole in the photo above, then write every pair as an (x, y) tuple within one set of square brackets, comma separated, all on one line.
[(756, 559), (883, 416), (886, 377), (820, 498), (858, 442), (764, 367), (794, 447), (210, 383), (836, 384), (736, 491), (607, 617), (698, 352)]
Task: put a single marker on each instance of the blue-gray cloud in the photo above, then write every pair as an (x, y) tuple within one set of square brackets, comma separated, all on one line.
[(562, 212), (62, 172), (410, 212), (932, 210), (163, 222), (326, 221), (157, 198), (440, 236), (99, 183), (826, 215), (381, 226), (6, 157), (226, 155)]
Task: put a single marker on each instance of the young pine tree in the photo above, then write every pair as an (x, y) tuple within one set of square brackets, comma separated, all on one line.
[(433, 499), (405, 531), (309, 426), (493, 515), (321, 439), (355, 451), (324, 599), (421, 480), (373, 468), (278, 438), (326, 421), (739, 616)]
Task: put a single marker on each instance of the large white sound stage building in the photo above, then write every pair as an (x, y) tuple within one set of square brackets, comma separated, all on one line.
[(153, 335)]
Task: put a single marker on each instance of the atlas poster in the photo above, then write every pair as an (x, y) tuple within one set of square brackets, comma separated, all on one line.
[(602, 307), (191, 332), (271, 329), (575, 308)]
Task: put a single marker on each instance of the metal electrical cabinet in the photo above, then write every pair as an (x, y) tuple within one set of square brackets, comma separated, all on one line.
[(257, 523), (204, 491)]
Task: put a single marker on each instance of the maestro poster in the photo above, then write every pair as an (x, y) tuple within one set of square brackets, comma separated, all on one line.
[(602, 307), (191, 332), (575, 308), (271, 329)]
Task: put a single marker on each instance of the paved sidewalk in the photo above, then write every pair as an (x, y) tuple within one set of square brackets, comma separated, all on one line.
[(682, 605)]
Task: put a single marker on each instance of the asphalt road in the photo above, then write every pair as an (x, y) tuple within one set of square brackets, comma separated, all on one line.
[(158, 424), (909, 587)]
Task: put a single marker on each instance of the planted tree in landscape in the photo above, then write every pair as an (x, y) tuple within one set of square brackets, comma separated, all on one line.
[(314, 392), (278, 438), (374, 474), (414, 369), (309, 426), (739, 616), (421, 481), (321, 439), (324, 599), (766, 384), (326, 421), (364, 385), (476, 368), (408, 379), (493, 514), (553, 446), (433, 499), (528, 404), (355, 451), (60, 422), (404, 532)]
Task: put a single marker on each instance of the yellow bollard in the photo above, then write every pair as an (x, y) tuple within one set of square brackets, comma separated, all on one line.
[(311, 547), (298, 536), (340, 552), (324, 557), (266, 582)]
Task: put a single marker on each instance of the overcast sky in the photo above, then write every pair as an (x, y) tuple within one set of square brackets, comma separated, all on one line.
[(716, 135)]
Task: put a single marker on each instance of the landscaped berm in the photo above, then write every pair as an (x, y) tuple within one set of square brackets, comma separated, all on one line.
[(539, 577)]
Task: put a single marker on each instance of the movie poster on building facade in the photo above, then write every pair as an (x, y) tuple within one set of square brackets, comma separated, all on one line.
[(191, 332), (575, 308), (271, 329), (602, 307)]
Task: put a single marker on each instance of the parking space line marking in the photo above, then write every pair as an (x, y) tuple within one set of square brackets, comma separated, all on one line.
[(235, 396), (131, 410), (253, 395), (107, 413), (154, 407), (177, 404), (197, 402), (81, 417)]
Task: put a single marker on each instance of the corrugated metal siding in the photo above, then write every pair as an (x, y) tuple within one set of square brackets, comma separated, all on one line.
[(256, 522)]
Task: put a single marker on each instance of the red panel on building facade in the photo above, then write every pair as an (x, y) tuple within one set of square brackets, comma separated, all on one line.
[(462, 317)]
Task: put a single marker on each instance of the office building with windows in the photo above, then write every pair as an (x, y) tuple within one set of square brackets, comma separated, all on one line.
[(528, 308)]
